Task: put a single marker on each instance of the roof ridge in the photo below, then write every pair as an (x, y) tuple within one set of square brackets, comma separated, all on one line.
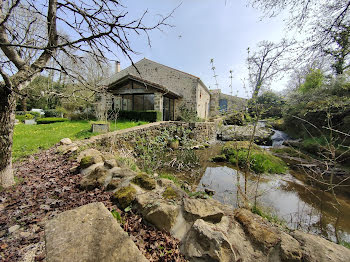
[(170, 67)]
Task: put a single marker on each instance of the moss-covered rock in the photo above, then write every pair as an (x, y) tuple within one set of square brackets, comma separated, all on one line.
[(125, 196), (86, 161), (260, 160), (98, 178), (232, 146), (219, 158), (170, 193), (145, 181)]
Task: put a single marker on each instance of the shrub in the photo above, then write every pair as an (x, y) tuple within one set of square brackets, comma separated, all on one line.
[(50, 120), (149, 116), (29, 116), (35, 114), (52, 113)]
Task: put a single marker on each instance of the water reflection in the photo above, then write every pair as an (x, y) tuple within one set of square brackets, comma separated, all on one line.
[(301, 206)]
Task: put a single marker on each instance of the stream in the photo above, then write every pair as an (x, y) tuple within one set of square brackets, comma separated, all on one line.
[(301, 206)]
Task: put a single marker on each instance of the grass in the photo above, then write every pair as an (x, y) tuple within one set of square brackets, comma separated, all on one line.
[(345, 244), (260, 160), (270, 217), (29, 139), (170, 177)]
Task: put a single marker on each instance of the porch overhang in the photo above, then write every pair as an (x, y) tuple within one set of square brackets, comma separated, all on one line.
[(122, 81)]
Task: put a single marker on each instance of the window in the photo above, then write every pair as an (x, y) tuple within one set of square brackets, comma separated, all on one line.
[(149, 102), (138, 102), (127, 102), (223, 105), (134, 102)]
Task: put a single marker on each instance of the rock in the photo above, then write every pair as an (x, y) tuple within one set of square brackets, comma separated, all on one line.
[(315, 248), (110, 163), (13, 229), (108, 156), (206, 209), (163, 215), (66, 149), (99, 177), (219, 158), (115, 182), (241, 133), (121, 172), (125, 196), (65, 141), (290, 248), (170, 193), (155, 175), (174, 144), (73, 169), (204, 243), (145, 181), (90, 152), (209, 191), (87, 161), (25, 234), (257, 228), (87, 171), (88, 233)]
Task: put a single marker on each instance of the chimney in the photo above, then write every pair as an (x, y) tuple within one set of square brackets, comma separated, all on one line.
[(117, 66)]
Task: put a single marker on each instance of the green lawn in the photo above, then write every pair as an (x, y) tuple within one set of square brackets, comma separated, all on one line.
[(29, 139)]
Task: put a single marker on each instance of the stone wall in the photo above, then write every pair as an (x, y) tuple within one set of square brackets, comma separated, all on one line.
[(203, 101), (234, 103), (201, 132)]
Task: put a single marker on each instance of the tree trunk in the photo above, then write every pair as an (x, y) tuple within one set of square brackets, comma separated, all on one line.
[(7, 120)]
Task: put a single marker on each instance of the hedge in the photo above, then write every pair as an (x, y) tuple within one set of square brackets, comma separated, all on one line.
[(149, 116), (52, 113), (49, 120)]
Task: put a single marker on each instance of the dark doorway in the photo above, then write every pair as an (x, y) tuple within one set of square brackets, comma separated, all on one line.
[(168, 109)]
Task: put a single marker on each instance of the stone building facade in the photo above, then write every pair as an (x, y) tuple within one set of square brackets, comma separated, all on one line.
[(221, 103), (149, 85)]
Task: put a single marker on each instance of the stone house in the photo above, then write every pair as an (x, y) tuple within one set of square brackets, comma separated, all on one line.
[(152, 86), (221, 103)]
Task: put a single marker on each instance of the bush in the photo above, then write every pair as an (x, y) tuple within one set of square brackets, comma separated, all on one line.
[(35, 114), (29, 116), (52, 113), (49, 120), (149, 116)]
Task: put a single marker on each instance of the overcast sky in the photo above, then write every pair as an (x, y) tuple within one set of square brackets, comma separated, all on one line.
[(205, 29)]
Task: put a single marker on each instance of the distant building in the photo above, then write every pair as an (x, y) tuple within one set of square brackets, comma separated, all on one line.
[(154, 86)]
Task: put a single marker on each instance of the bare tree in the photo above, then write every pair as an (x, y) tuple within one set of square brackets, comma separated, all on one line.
[(266, 63), (72, 27), (325, 22)]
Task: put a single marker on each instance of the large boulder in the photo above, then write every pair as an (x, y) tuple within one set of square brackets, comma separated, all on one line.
[(205, 243), (315, 248), (206, 209), (258, 229), (88, 233), (241, 133)]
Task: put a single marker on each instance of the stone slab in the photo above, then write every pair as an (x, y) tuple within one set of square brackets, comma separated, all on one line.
[(88, 233)]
